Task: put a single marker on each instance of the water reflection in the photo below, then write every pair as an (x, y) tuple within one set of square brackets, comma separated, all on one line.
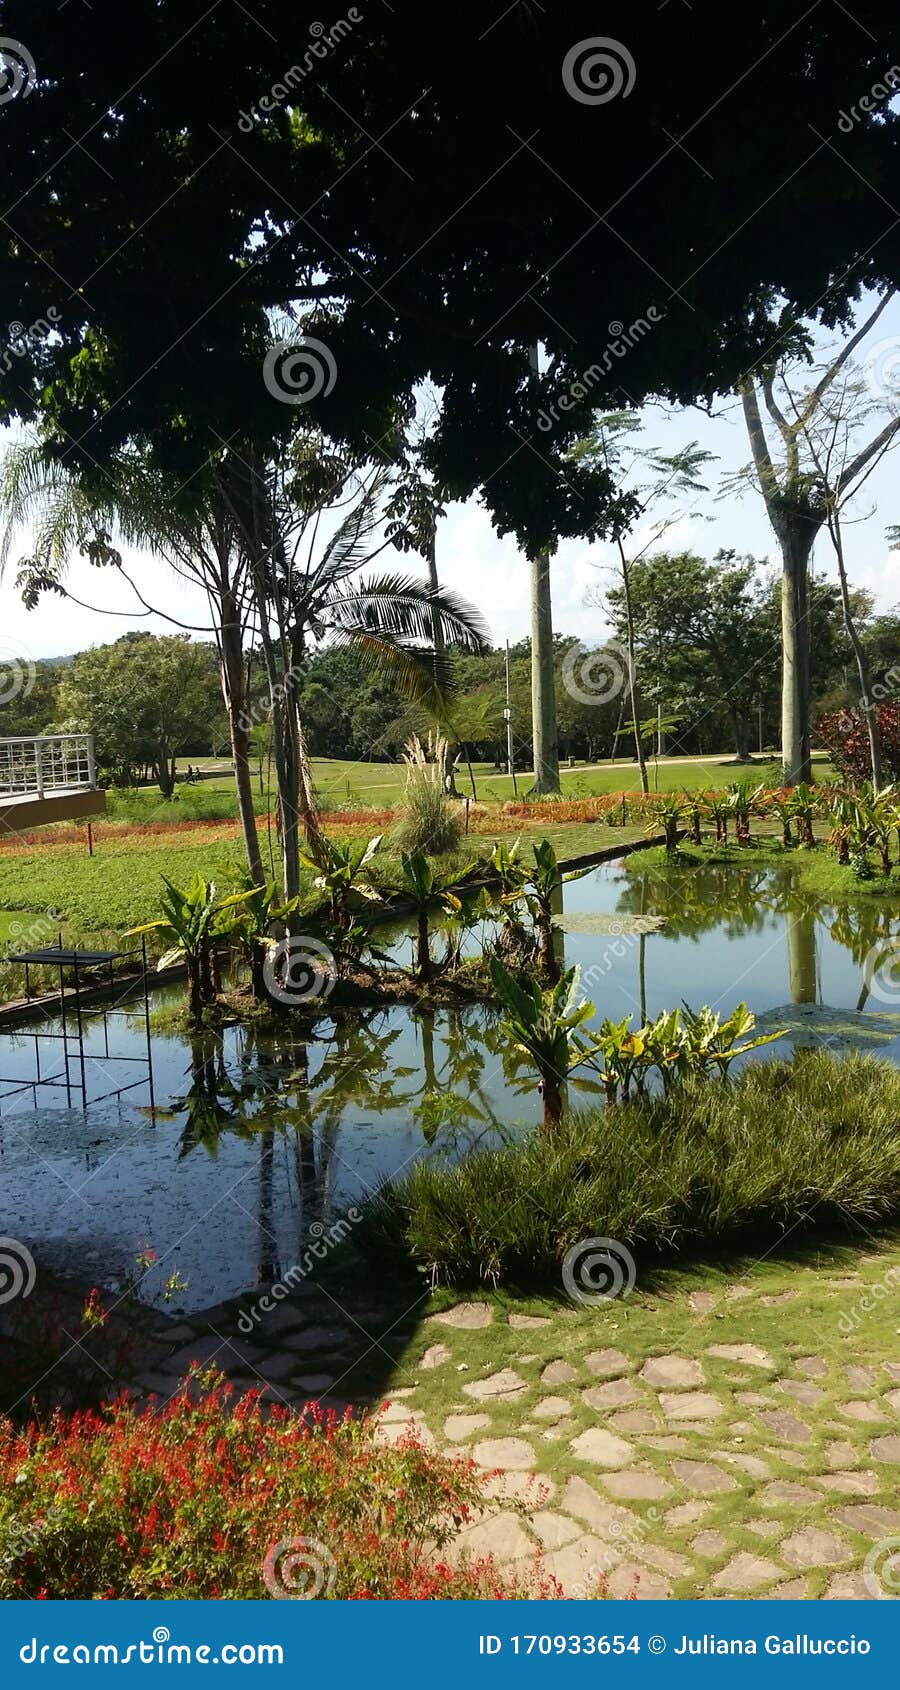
[(264, 1137)]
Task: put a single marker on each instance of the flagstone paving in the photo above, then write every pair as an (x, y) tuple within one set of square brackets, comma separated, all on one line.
[(679, 1442)]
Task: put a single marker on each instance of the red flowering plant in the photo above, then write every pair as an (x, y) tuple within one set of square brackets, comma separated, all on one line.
[(846, 738), (211, 1497)]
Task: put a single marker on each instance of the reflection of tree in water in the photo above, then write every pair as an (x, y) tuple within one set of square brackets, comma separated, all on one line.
[(738, 900), (296, 1089)]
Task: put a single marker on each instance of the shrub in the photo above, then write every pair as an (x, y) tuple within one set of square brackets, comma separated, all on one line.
[(846, 738), (815, 1142), (207, 1498)]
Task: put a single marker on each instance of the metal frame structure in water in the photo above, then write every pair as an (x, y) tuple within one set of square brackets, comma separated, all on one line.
[(75, 1016)]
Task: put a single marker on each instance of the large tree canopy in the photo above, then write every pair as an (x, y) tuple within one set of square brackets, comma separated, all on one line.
[(439, 188)]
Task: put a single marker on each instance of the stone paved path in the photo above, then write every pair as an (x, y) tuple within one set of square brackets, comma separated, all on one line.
[(693, 1444)]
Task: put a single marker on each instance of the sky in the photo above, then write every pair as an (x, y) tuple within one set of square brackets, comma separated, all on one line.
[(492, 572)]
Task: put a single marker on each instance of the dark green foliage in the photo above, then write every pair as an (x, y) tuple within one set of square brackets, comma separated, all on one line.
[(815, 1142)]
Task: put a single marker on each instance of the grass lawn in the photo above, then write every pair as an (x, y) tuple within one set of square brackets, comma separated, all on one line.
[(343, 784)]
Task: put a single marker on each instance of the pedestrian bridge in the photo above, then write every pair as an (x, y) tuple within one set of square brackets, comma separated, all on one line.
[(52, 778)]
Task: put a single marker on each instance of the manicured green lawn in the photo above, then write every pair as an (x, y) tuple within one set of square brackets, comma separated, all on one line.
[(343, 784)]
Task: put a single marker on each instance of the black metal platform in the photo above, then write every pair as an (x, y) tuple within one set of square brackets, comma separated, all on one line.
[(74, 1017)]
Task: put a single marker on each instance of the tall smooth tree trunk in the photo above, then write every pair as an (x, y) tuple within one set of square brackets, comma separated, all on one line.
[(796, 546), (439, 644), (234, 692), (633, 693), (543, 680)]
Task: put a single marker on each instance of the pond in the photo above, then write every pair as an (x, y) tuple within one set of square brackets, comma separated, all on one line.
[(255, 1142)]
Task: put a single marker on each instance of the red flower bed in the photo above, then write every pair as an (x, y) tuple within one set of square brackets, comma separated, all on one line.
[(206, 1497)]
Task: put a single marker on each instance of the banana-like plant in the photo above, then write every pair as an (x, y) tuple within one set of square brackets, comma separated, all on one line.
[(428, 890), (711, 1045), (804, 807), (338, 866), (671, 812), (541, 893), (195, 919), (543, 1023)]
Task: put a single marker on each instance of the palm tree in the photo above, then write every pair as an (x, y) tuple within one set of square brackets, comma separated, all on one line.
[(190, 527), (257, 530)]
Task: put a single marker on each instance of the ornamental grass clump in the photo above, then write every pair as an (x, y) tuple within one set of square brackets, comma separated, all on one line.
[(786, 1147), (430, 821)]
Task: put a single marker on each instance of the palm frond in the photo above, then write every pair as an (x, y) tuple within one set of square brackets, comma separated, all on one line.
[(405, 608)]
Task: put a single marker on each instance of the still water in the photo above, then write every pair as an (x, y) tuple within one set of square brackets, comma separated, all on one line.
[(255, 1141)]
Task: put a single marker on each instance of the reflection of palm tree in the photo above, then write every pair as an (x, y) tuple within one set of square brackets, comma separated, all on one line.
[(801, 940)]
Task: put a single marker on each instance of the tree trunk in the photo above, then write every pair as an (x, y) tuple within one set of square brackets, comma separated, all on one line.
[(234, 693), (796, 540), (543, 681), (551, 1092), (862, 662), (633, 693), (423, 954)]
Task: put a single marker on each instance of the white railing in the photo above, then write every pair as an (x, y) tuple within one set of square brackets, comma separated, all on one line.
[(52, 763)]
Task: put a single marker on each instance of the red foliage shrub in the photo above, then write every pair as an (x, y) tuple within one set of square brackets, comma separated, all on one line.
[(846, 739), (206, 1497)]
